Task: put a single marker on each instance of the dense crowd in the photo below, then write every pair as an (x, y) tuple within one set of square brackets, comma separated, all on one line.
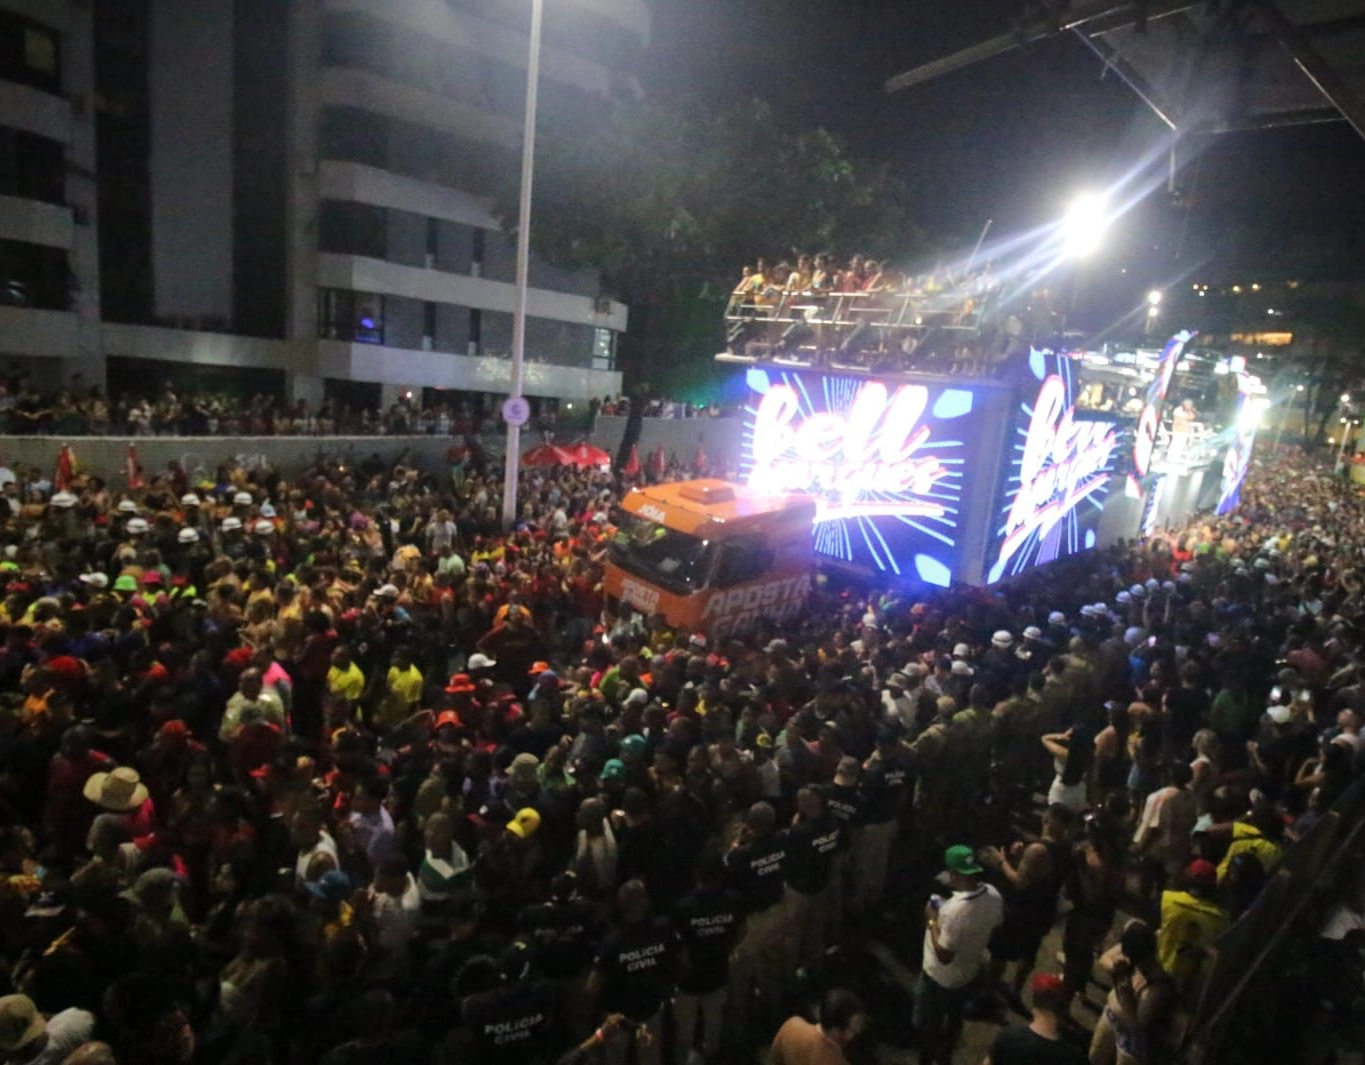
[(764, 285), (333, 770), (80, 411)]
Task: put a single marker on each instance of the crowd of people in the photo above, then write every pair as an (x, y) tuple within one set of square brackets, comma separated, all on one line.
[(333, 770), (86, 411), (762, 284)]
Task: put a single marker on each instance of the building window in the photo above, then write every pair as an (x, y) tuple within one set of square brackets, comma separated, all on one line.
[(475, 329), (32, 275), (354, 317), (31, 167), (603, 349), (351, 229), (30, 53)]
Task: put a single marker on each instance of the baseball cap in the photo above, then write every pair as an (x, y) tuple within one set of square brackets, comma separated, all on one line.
[(537, 668), (525, 823), (136, 526), (449, 717), (1033, 632), (961, 859), (961, 669), (1045, 984), (125, 583), (64, 500), (231, 524), (188, 535), (1056, 618), (189, 499), (633, 744), (479, 660), (898, 680), (263, 528), (95, 580), (1202, 873), (127, 506), (961, 651), (614, 770), (1001, 638), (387, 591), (20, 1022), (242, 499), (333, 885)]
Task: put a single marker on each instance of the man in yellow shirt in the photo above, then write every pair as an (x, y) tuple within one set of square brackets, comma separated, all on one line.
[(1191, 922), (345, 681), (403, 689)]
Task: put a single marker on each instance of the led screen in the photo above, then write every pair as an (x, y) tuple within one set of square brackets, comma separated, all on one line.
[(1058, 466), (888, 461), (1238, 456)]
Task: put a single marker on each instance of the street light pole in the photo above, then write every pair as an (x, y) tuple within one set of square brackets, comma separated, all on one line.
[(512, 465)]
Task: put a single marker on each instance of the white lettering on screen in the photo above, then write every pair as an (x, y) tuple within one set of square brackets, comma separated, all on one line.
[(847, 459), (1064, 461)]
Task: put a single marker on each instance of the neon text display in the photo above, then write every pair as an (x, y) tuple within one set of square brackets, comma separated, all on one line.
[(1064, 462), (873, 448)]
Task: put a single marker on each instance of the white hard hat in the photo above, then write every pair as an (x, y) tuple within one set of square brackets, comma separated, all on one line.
[(231, 524), (127, 506), (188, 536), (263, 528), (242, 499), (189, 499), (136, 526)]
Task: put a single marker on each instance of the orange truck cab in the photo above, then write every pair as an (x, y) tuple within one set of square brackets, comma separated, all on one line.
[(712, 556)]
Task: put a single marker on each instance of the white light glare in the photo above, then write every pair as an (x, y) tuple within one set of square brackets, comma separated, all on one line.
[(1083, 226), (1154, 297)]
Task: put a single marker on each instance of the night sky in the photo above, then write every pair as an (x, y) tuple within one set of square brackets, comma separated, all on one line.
[(1015, 137)]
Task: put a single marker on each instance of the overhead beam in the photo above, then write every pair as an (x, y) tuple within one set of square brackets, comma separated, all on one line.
[(1093, 16), (1325, 79)]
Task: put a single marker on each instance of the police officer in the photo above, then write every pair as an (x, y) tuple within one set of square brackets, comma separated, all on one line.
[(512, 1022), (565, 931), (757, 867), (709, 922), (885, 781), (812, 842), (634, 974), (845, 803)]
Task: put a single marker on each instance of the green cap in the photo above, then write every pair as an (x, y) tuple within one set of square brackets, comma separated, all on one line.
[(962, 860), (126, 583), (633, 745), (615, 769)]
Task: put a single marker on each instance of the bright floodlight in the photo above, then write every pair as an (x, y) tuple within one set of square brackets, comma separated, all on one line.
[(1084, 225), (1154, 297)]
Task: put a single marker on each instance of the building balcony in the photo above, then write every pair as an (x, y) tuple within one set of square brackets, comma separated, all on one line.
[(465, 30), (38, 333), (365, 91), (35, 222), (359, 274), (358, 183), (428, 369), (35, 111)]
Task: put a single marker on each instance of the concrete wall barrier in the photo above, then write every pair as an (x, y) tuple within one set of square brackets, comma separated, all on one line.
[(104, 455)]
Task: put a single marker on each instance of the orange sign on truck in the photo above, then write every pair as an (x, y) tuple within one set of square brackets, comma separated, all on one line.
[(712, 556)]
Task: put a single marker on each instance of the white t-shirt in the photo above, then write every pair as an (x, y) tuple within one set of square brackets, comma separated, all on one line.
[(65, 1032), (325, 845), (965, 923)]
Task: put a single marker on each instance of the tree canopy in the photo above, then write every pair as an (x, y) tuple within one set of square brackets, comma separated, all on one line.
[(668, 202)]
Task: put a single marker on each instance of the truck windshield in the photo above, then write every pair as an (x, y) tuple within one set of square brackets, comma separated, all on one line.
[(672, 559)]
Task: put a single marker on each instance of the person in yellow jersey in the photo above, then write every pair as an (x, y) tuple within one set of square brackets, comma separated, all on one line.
[(345, 681), (402, 689), (1191, 922)]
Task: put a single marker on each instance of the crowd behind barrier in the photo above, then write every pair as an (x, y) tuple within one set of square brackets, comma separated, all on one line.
[(331, 769), (81, 411)]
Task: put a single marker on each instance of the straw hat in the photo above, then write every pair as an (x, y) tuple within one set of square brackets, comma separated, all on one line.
[(119, 789)]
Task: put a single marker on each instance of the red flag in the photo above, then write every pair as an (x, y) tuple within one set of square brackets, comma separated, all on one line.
[(657, 462), (699, 463), (633, 462), (132, 468), (65, 472)]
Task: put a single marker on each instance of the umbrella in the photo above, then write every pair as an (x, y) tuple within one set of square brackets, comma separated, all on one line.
[(548, 455), (632, 468), (585, 454)]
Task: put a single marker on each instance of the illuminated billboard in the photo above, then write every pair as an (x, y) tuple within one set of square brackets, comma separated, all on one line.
[(890, 463), (1237, 459), (1057, 472)]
